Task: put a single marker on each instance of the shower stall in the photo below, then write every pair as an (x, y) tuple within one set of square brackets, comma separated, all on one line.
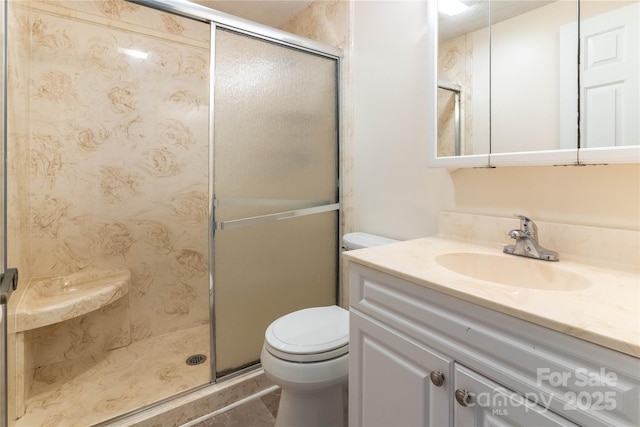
[(196, 150)]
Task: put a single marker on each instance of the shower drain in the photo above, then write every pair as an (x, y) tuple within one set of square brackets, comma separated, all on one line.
[(195, 359)]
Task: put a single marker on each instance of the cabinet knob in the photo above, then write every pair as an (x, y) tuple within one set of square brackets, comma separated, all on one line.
[(463, 397), (437, 378)]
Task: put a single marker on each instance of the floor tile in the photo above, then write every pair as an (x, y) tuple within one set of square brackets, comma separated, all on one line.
[(254, 413)]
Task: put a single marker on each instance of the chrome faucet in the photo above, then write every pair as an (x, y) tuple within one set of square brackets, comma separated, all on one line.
[(527, 242)]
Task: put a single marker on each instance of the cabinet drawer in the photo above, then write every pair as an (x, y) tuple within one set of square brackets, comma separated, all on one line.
[(482, 402), (586, 383)]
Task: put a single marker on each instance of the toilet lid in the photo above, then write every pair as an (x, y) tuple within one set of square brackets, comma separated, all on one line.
[(312, 334)]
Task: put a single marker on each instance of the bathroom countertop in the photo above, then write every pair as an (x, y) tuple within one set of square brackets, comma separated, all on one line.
[(605, 313)]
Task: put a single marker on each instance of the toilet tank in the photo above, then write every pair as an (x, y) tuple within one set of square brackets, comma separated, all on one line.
[(359, 240)]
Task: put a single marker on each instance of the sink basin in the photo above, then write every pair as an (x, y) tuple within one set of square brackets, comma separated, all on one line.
[(49, 300), (513, 271)]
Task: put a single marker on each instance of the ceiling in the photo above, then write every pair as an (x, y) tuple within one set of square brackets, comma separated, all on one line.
[(273, 13), (477, 16)]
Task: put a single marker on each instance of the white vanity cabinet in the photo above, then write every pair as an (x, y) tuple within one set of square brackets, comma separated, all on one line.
[(496, 369)]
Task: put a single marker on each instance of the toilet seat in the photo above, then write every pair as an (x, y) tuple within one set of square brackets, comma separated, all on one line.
[(309, 335)]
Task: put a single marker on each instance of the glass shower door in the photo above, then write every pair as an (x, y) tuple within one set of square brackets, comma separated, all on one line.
[(276, 189)]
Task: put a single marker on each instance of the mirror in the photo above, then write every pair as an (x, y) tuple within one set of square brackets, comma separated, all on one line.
[(610, 77), (507, 82), (463, 78), (534, 86)]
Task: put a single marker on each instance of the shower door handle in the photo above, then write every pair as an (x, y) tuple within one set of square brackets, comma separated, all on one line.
[(243, 222), (8, 284)]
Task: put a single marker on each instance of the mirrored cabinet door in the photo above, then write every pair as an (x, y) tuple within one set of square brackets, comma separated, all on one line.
[(610, 80), (536, 82), (463, 80), (532, 44)]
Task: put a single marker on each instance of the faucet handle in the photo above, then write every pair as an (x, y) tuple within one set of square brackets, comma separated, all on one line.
[(527, 225)]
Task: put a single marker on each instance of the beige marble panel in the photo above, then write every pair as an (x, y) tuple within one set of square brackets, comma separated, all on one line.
[(62, 389), (96, 332), (18, 105), (597, 246), (92, 389), (119, 154), (18, 242), (323, 21), (21, 369), (55, 299), (108, 168)]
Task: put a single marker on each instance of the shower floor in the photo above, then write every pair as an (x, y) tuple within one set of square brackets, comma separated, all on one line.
[(86, 391)]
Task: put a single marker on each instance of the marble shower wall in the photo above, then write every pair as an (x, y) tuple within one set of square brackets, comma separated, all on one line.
[(18, 189), (116, 169), (326, 21)]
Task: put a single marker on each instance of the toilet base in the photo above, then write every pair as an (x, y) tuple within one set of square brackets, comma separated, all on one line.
[(325, 408)]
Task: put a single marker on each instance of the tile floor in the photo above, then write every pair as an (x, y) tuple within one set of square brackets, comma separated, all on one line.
[(260, 412)]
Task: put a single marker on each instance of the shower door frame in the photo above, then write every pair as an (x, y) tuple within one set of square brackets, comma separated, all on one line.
[(4, 293), (222, 20)]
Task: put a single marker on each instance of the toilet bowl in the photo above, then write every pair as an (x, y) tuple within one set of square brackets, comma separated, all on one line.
[(306, 353)]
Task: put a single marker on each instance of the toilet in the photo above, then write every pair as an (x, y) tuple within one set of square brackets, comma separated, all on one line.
[(306, 353)]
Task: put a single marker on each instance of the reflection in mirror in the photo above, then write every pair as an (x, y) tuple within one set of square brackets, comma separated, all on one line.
[(463, 77), (610, 73), (534, 82), (451, 118)]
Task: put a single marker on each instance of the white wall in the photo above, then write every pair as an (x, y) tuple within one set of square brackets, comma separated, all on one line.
[(394, 191), (396, 194)]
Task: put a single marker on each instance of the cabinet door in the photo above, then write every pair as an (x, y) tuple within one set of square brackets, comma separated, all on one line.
[(390, 379), (482, 402)]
